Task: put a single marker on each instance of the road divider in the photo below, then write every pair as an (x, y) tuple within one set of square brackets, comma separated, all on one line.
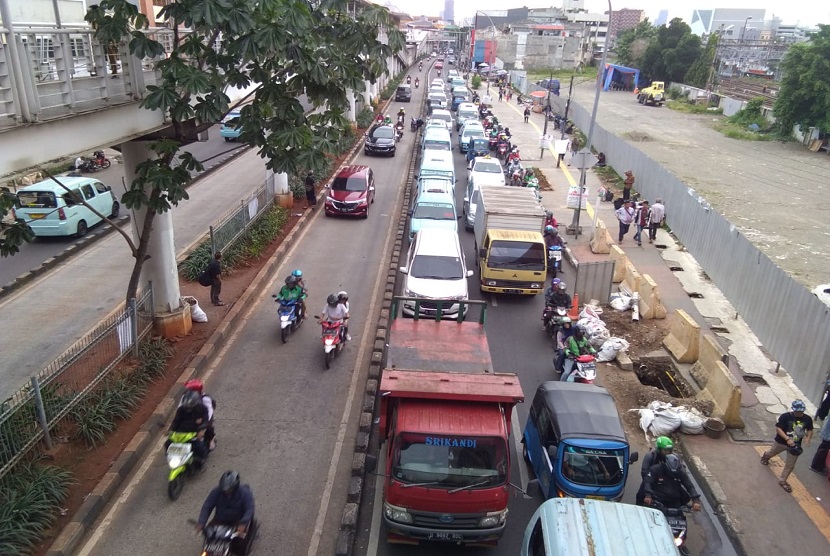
[(718, 383), (602, 242), (683, 341)]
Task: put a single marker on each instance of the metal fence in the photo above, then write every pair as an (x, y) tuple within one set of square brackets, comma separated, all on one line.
[(230, 227), (594, 280), (791, 322), (38, 410)]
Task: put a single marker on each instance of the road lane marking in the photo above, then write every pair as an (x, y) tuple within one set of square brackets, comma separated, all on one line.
[(377, 508), (804, 499), (344, 421), (517, 436)]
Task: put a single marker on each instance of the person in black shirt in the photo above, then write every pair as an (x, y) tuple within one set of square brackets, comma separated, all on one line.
[(792, 429), (192, 416), (310, 193), (214, 271), (668, 483), (232, 505)]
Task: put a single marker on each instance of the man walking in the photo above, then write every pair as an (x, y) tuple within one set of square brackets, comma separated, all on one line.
[(574, 148), (658, 214), (625, 215), (527, 113), (642, 219), (819, 463), (501, 94), (214, 271), (628, 185), (310, 193), (792, 429)]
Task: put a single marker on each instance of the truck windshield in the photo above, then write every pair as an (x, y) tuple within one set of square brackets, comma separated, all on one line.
[(522, 254), (449, 461), (592, 466)]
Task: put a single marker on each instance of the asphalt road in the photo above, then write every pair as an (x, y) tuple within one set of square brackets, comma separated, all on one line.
[(31, 255), (287, 424), (517, 344)]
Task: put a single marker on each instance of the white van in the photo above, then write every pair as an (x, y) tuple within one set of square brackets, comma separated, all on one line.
[(443, 115), (438, 164), (466, 111), (436, 139)]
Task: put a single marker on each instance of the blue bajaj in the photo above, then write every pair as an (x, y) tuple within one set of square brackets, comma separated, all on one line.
[(575, 442), (290, 317)]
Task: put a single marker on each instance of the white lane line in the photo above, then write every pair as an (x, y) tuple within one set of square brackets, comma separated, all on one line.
[(517, 440), (344, 421), (493, 301), (377, 508)]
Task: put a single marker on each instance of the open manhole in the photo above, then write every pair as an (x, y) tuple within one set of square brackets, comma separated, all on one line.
[(696, 295), (666, 379), (676, 268), (719, 329), (660, 246), (755, 379)]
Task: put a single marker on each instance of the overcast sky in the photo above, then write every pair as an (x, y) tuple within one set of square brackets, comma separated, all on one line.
[(804, 12)]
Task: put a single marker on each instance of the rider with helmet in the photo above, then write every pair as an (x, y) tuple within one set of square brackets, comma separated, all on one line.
[(550, 220), (552, 238), (558, 297), (668, 483), (197, 385), (232, 505), (577, 345), (336, 312), (563, 335), (663, 446), (192, 416), (293, 291)]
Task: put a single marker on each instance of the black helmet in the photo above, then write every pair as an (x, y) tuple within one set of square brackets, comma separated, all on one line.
[(191, 399), (579, 330), (332, 300), (673, 465), (291, 281), (229, 481)]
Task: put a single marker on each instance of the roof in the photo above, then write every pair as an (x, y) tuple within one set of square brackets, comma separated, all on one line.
[(464, 419), (51, 185), (490, 388), (445, 346), (512, 200), (348, 171), (512, 235), (581, 411)]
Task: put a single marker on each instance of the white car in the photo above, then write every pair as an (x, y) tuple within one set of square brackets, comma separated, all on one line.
[(443, 115), (435, 89), (435, 269), (486, 171), (438, 83), (470, 130)]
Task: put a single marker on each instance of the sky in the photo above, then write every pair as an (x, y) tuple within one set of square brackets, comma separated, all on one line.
[(804, 12)]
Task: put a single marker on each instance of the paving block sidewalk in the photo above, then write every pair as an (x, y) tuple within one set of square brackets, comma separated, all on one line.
[(763, 517)]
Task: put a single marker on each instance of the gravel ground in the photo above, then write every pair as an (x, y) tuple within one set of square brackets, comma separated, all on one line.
[(776, 193)]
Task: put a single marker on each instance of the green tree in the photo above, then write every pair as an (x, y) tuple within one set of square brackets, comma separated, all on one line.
[(698, 74), (804, 97), (287, 48), (671, 52), (632, 43)]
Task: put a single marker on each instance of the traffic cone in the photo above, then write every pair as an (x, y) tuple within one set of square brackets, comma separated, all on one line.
[(574, 312)]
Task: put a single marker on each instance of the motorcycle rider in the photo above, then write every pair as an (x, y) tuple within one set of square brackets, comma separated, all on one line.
[(550, 220), (293, 291), (552, 238), (420, 66), (197, 385), (417, 82), (408, 79), (335, 312), (557, 295), (577, 345), (192, 416), (343, 298), (566, 330), (232, 505), (668, 483), (663, 446)]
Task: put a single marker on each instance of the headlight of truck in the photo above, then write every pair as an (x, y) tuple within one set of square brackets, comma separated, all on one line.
[(397, 514), (535, 285), (493, 519)]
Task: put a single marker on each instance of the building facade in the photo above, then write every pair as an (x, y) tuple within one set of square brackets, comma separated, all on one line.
[(730, 23), (449, 11), (622, 20)]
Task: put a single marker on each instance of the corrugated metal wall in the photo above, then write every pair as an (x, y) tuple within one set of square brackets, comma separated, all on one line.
[(594, 280), (792, 324)]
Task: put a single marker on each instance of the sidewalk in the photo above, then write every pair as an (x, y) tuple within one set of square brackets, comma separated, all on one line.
[(729, 467)]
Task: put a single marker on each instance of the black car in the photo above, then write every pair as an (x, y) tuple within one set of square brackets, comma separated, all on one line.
[(380, 140)]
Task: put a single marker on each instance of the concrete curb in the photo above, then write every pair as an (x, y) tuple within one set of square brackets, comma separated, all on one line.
[(348, 522), (108, 487), (717, 496)]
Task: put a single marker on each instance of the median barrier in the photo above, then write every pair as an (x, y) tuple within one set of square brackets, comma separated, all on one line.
[(683, 340), (722, 388), (710, 353), (621, 261), (632, 279), (650, 305), (601, 242)]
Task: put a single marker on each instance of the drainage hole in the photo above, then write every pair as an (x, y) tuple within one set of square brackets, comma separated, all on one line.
[(696, 295), (676, 268)]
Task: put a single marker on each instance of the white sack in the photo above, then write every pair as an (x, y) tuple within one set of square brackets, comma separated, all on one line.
[(691, 420), (197, 314)]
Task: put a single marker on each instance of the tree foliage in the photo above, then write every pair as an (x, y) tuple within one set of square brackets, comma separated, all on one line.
[(283, 48), (698, 74), (632, 43), (671, 52), (804, 97)]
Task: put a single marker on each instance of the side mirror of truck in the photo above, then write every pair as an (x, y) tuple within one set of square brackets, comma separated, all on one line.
[(482, 253), (553, 452), (534, 489), (371, 463), (403, 270), (634, 457)]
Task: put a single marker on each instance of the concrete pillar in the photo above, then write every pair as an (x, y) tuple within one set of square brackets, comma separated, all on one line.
[(351, 113), (367, 93), (160, 268)]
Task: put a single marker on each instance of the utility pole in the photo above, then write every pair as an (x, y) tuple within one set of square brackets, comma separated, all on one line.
[(546, 112), (563, 125)]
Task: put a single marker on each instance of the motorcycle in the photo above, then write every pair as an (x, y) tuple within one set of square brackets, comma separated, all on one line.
[(492, 142), (555, 260), (584, 371), (408, 80), (552, 319), (502, 149), (218, 538), (332, 340), (101, 160), (413, 125), (398, 131), (180, 460), (290, 317), (417, 83), (514, 155), (677, 522)]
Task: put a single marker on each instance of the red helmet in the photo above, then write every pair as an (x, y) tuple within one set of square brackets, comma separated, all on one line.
[(194, 384)]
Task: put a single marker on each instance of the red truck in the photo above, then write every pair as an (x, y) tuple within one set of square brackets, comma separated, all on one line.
[(444, 431)]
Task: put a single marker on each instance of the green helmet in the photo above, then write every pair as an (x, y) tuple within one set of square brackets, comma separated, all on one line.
[(664, 443)]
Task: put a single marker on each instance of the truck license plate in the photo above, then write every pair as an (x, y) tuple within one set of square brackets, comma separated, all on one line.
[(453, 537), (512, 291)]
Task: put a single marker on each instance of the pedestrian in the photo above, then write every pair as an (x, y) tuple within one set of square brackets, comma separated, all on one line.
[(501, 94), (629, 183), (642, 219), (793, 429), (625, 215), (214, 271), (574, 145), (509, 94), (824, 405), (819, 463), (310, 193), (527, 113), (658, 214)]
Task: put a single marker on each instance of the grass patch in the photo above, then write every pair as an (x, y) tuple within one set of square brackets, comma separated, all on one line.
[(588, 73), (689, 108), (740, 132), (609, 176)]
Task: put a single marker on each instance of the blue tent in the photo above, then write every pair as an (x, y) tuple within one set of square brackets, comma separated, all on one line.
[(620, 74)]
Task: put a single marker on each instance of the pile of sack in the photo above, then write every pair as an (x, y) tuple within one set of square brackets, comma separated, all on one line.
[(662, 419), (598, 335)]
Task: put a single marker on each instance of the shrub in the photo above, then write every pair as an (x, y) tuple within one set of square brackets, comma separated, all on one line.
[(674, 92), (365, 118), (475, 82)]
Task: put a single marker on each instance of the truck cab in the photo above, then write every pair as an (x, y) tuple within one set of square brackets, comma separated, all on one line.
[(655, 94), (444, 427)]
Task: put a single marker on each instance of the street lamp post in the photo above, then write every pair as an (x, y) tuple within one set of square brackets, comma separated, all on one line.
[(743, 32)]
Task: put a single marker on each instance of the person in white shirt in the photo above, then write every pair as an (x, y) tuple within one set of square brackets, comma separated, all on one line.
[(658, 214), (335, 312), (343, 298), (625, 214)]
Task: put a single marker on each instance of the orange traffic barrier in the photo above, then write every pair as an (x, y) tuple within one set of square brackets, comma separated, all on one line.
[(574, 312)]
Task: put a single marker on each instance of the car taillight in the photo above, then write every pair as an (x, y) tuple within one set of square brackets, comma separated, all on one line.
[(61, 214)]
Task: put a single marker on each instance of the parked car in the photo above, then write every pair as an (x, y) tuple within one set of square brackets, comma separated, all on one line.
[(50, 210), (435, 269), (351, 192), (403, 93), (380, 139), (230, 128)]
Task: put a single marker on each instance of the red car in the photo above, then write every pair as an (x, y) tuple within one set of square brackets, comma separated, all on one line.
[(439, 64), (351, 192)]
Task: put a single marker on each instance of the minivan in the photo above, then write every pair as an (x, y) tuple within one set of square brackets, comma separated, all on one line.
[(403, 93), (466, 111), (432, 210), (439, 114), (437, 139), (51, 210), (437, 164), (230, 129), (435, 269)]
